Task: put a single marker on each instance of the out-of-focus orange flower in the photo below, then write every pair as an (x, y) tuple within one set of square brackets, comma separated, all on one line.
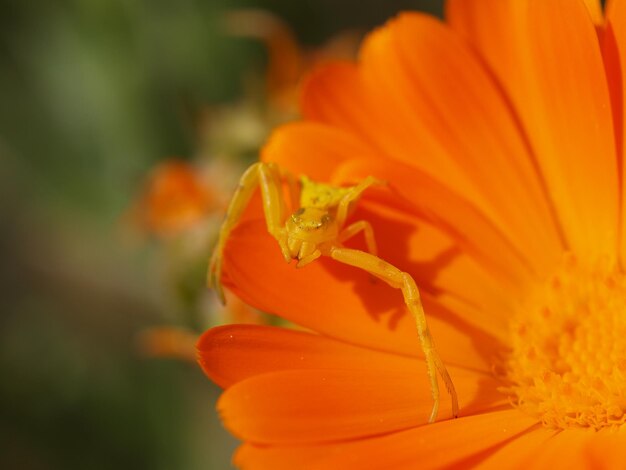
[(169, 342), (175, 198), (183, 203), (288, 61), (502, 134)]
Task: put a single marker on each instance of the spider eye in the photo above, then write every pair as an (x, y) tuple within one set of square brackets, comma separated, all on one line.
[(296, 215)]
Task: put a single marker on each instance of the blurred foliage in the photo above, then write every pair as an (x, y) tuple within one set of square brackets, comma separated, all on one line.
[(93, 93)]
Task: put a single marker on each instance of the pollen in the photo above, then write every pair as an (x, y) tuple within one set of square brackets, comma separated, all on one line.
[(567, 365)]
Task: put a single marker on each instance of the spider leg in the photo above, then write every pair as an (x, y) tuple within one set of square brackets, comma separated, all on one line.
[(292, 185), (353, 195), (403, 281), (267, 177), (360, 226), (274, 204), (308, 259)]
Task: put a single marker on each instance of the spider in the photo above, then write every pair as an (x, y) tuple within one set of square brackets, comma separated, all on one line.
[(317, 229)]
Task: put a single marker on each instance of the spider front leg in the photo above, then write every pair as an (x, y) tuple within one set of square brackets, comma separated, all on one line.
[(353, 195), (403, 281), (267, 176), (360, 226), (349, 232)]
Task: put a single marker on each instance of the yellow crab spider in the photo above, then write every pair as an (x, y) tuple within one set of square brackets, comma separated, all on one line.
[(316, 229)]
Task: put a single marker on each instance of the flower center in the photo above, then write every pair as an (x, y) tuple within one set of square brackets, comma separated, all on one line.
[(568, 363)]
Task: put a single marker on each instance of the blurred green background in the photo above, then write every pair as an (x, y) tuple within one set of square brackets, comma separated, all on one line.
[(93, 93)]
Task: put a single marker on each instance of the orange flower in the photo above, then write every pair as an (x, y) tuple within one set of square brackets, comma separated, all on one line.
[(501, 133), (175, 198)]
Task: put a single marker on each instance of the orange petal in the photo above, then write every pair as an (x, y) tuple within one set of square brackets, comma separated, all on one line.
[(224, 353), (332, 94), (337, 95), (442, 444), (582, 449), (595, 10), (548, 59), (311, 149), (441, 267), (519, 452), (325, 405), (433, 80), (444, 208), (606, 447), (565, 450), (343, 302), (614, 49)]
